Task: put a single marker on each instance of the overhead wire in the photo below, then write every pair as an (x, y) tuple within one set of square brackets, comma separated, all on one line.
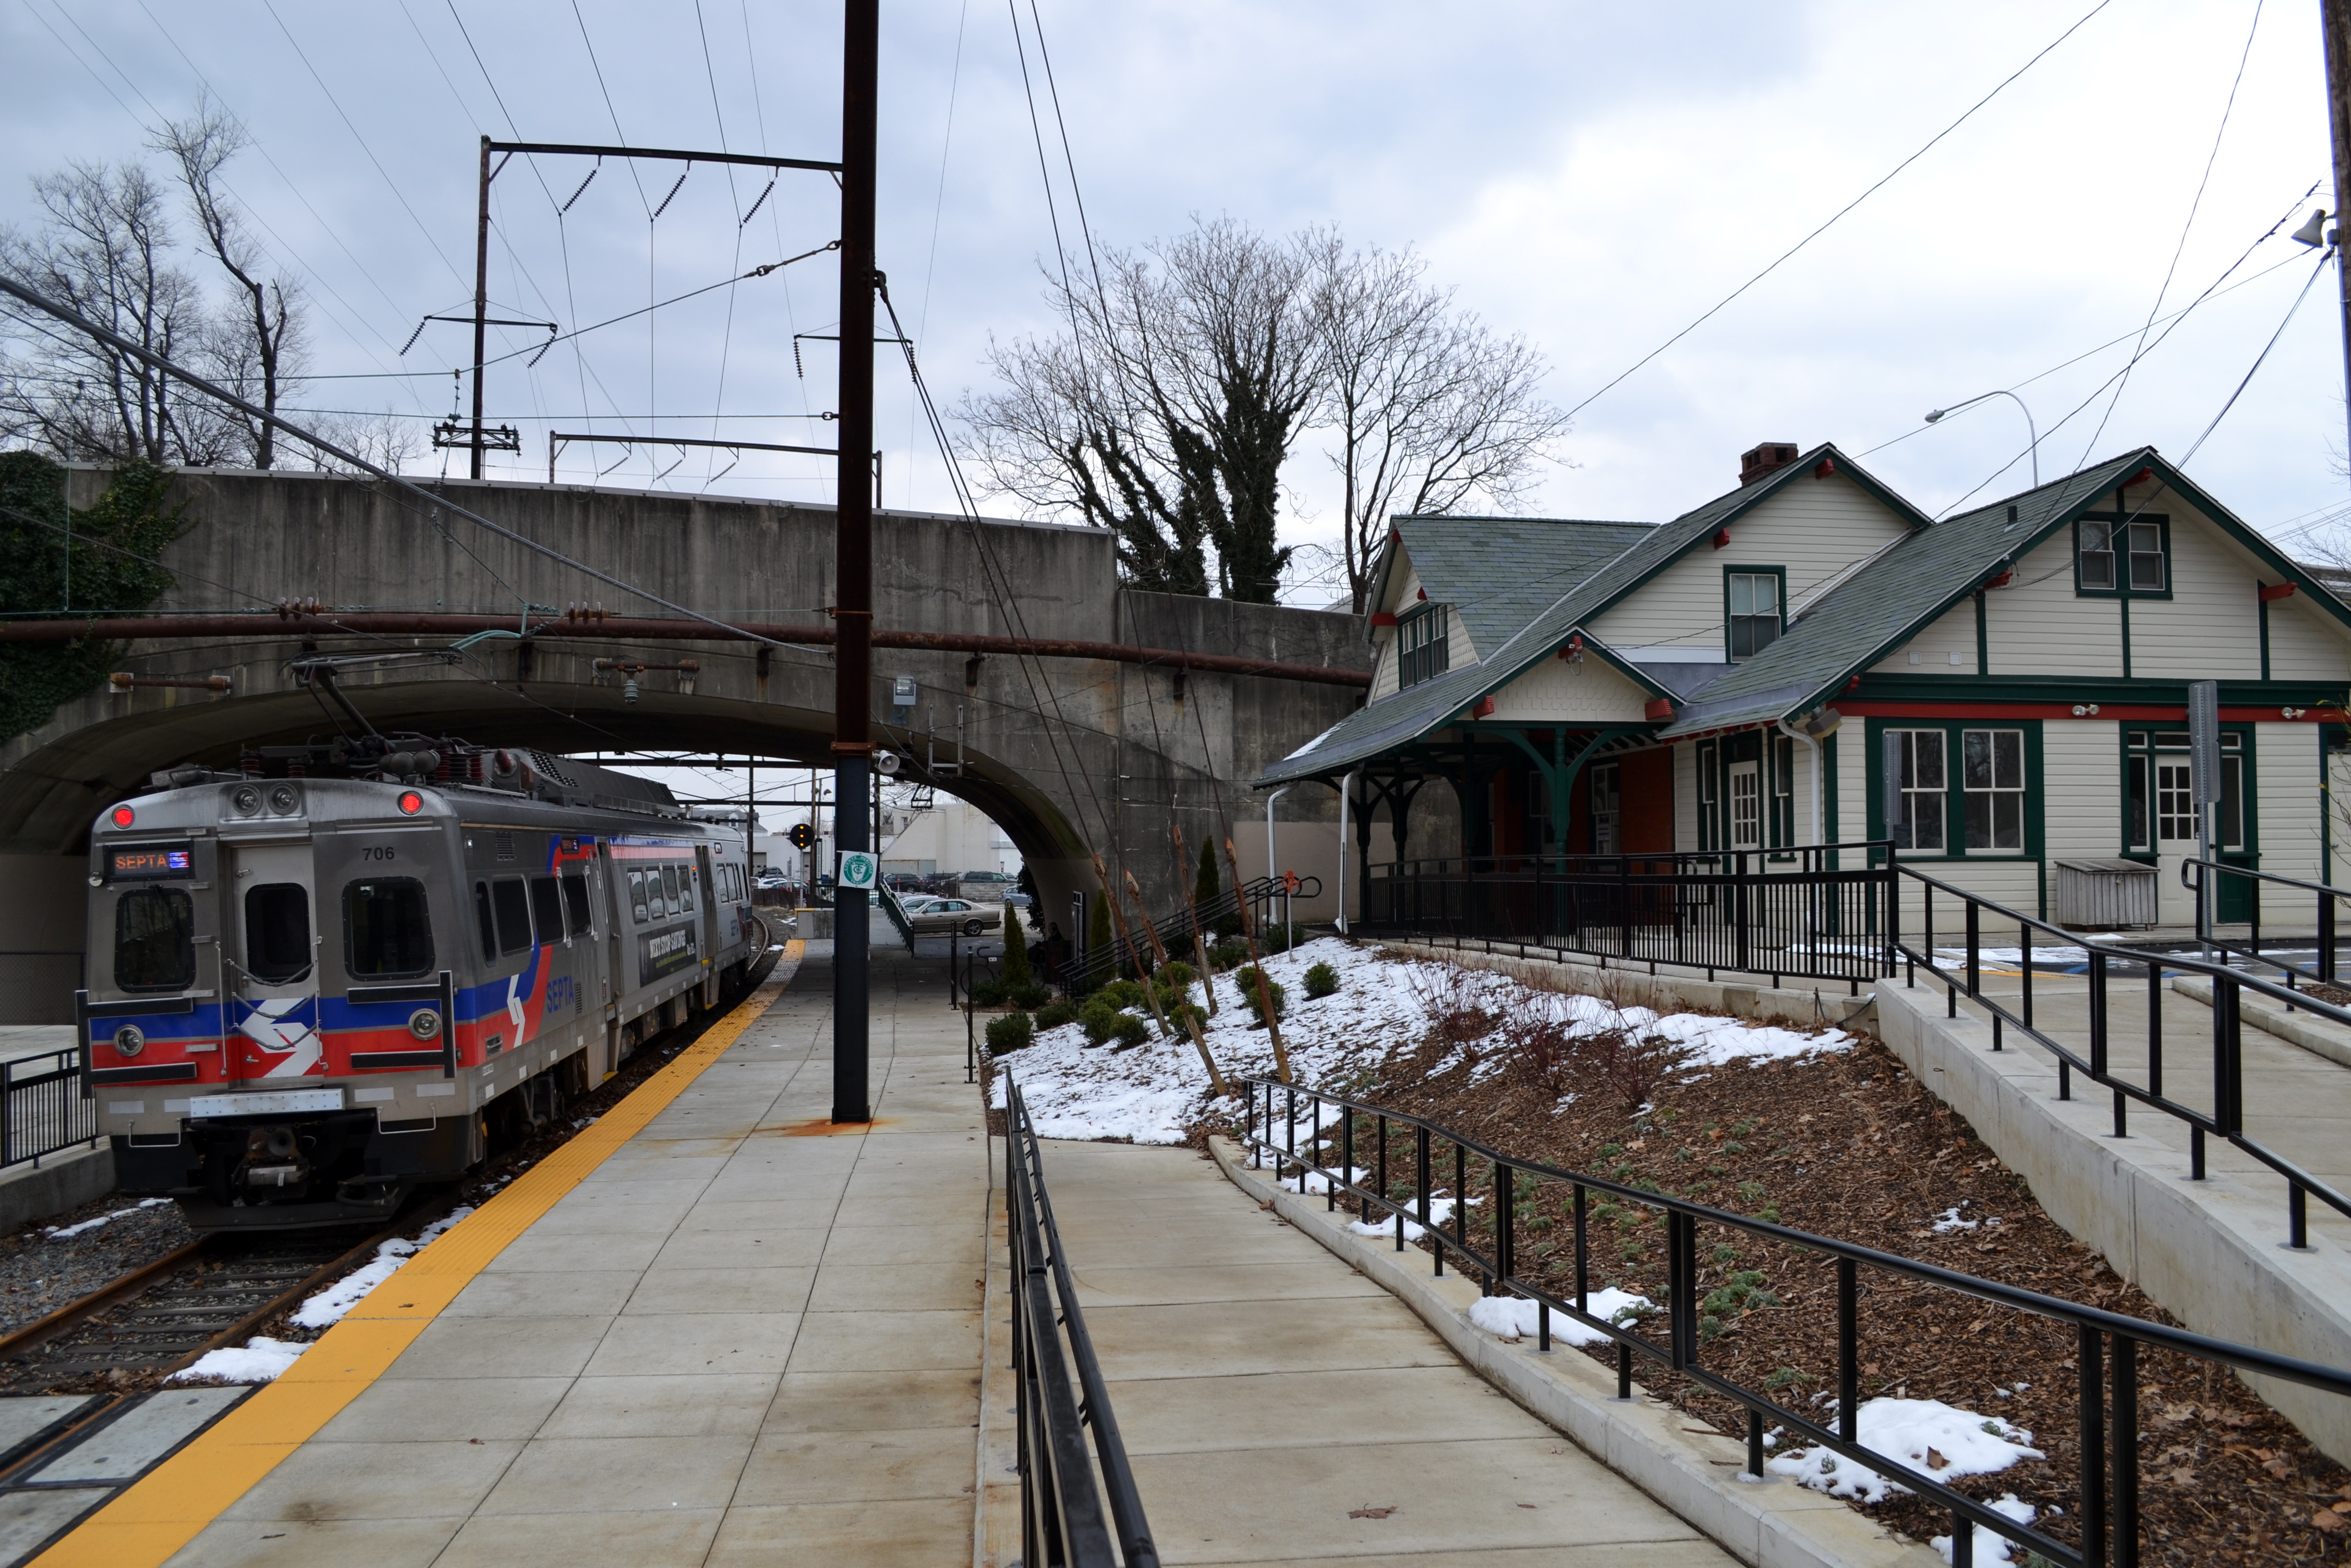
[(2324, 257)]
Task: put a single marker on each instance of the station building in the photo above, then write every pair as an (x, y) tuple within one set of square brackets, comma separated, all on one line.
[(1811, 660)]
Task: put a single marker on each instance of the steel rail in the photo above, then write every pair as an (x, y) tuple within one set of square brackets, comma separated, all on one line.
[(1680, 1353), (252, 624)]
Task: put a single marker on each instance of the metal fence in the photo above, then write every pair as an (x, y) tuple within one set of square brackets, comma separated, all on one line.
[(1270, 900), (42, 1111), (2106, 1355), (1818, 912), (2326, 961), (1061, 1515)]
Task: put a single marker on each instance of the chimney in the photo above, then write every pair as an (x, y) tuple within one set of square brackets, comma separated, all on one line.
[(1768, 459)]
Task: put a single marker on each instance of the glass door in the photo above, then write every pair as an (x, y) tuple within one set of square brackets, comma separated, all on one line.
[(1746, 781)]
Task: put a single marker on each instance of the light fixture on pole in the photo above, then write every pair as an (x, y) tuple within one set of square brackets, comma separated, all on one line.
[(2314, 233), (1935, 416)]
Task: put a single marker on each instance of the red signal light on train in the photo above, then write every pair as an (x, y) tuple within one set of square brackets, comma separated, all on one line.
[(410, 802), (124, 816)]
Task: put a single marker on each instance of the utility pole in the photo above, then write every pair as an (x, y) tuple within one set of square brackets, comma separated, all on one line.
[(480, 301), (852, 696), (2335, 26)]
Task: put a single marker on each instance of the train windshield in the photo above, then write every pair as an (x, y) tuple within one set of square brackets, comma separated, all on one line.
[(154, 940), (387, 930), (277, 932)]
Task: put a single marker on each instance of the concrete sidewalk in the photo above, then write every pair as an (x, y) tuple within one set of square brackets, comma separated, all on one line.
[(1280, 1407), (744, 1339)]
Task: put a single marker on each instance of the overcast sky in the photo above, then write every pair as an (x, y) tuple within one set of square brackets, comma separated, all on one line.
[(1595, 176)]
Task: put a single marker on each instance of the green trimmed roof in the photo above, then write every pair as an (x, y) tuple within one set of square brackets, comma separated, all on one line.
[(1500, 573)]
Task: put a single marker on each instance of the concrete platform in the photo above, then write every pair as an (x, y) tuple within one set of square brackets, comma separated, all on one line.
[(1280, 1407), (743, 1337)]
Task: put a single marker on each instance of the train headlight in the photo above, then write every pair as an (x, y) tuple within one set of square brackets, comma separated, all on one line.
[(410, 802), (130, 1040), (122, 816), (284, 799), (424, 1024), (245, 800)]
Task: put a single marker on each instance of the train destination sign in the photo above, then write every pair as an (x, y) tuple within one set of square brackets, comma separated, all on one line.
[(150, 862)]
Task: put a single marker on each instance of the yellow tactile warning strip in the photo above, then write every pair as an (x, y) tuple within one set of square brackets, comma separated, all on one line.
[(165, 1510)]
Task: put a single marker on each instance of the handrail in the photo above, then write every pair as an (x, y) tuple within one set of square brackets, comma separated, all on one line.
[(2227, 1118), (1060, 1508), (1131, 951), (2107, 1512), (2251, 947)]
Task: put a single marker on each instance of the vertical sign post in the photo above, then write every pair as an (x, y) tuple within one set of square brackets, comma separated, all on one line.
[(2204, 784), (852, 698)]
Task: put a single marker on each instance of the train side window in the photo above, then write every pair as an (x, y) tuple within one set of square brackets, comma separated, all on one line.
[(486, 923), (387, 929), (638, 912), (154, 940), (512, 902), (277, 932), (547, 908), (671, 904), (687, 877), (575, 903)]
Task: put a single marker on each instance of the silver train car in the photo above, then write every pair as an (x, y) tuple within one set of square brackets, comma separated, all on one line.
[(325, 980)]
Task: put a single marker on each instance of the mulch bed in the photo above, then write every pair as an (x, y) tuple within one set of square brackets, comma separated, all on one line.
[(1849, 1145)]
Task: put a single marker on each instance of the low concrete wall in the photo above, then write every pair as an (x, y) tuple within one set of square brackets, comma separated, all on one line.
[(31, 1193), (2211, 1252), (1830, 1003), (2315, 1035), (1773, 1524)]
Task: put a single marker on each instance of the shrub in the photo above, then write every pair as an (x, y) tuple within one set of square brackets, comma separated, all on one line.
[(1017, 972), (989, 994), (1100, 1020), (1178, 1009), (1098, 934), (1321, 981), (1177, 974), (1130, 1030), (1247, 978), (1053, 1015), (1272, 938), (1030, 994), (1009, 1033), (1124, 994), (1225, 954)]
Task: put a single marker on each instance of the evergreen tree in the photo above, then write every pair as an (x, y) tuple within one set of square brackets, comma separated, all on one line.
[(1098, 935), (1205, 888), (1015, 950)]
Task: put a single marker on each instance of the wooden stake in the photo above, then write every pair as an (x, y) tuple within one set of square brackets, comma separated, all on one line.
[(1199, 938), (1191, 1018), (1118, 919), (1264, 985)]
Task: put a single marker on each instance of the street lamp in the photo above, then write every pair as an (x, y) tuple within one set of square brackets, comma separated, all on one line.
[(1935, 414)]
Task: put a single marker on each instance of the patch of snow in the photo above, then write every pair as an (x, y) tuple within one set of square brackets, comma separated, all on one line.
[(1315, 1181), (1935, 1438), (1990, 1548), (1515, 1317), (259, 1360), (327, 1307), (1949, 1220), (66, 1232)]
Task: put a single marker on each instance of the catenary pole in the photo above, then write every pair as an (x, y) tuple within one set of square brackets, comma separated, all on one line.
[(853, 746), (481, 303), (2335, 25)]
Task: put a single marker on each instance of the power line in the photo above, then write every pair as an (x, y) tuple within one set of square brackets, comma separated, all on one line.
[(2323, 258), (1841, 212)]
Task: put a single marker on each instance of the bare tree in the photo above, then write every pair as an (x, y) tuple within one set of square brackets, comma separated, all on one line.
[(257, 347), (105, 250), (1168, 409), (1426, 407)]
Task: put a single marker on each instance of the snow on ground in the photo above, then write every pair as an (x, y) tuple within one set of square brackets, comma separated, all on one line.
[(1515, 1317), (1932, 1436), (261, 1358), (1990, 1548), (1149, 1093), (62, 1233)]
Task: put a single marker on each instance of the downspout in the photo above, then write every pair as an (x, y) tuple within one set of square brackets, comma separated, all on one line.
[(1270, 799), (1808, 741), (1346, 794)]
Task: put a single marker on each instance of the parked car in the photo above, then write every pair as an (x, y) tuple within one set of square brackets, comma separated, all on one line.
[(955, 914), (1020, 901), (771, 878)]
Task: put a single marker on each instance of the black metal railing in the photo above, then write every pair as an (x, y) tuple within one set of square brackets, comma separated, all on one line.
[(1270, 900), (1061, 1518), (2094, 1061), (42, 1110), (2324, 964), (1818, 912), (2106, 1420)]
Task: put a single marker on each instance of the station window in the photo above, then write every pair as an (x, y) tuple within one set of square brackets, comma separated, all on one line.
[(277, 932), (1752, 611), (1914, 805), (2114, 552), (154, 940), (1991, 777), (575, 901), (387, 929)]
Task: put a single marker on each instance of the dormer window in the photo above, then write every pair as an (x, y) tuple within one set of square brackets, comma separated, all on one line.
[(1421, 653), (1754, 601), (2116, 553)]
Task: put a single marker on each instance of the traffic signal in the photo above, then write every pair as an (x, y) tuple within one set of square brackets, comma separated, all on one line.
[(802, 836)]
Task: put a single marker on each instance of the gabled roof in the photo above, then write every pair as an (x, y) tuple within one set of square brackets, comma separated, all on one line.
[(1498, 574), (1417, 710), (1893, 598)]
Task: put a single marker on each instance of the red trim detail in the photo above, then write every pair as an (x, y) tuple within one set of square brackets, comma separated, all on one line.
[(2000, 581), (1484, 708), (1721, 537), (2277, 590), (2142, 473), (2132, 712), (1825, 468), (1382, 617), (1421, 594), (1658, 708)]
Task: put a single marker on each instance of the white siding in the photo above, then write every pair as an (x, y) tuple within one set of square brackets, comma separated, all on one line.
[(1952, 632), (2307, 643), (2209, 628), (1557, 690), (1383, 670), (2082, 788), (1852, 782), (1459, 651), (2037, 626), (2013, 883), (1813, 528), (2286, 771)]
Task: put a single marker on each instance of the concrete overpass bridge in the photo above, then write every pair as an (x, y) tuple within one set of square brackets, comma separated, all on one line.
[(1094, 747)]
